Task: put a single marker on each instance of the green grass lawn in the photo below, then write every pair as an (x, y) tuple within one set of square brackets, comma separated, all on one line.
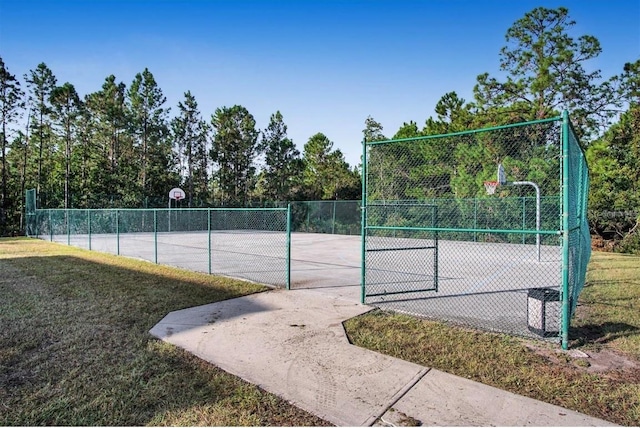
[(609, 311), (75, 347), (606, 326)]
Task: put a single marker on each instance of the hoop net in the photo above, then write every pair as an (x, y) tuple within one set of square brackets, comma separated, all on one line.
[(177, 196), (490, 187)]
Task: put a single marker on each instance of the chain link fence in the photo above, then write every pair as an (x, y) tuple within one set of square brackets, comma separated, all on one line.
[(251, 244), (436, 245), (577, 250), (333, 217), (338, 217)]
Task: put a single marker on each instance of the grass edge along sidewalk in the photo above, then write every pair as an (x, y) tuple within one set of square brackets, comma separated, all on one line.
[(75, 347), (605, 385)]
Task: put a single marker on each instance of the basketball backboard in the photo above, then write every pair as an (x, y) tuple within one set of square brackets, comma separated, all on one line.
[(502, 176), (176, 193)]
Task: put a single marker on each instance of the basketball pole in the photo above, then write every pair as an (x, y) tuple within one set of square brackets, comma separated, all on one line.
[(502, 180), (535, 186), (177, 194)]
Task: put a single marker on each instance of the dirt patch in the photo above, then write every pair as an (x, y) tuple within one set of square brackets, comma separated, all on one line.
[(604, 361)]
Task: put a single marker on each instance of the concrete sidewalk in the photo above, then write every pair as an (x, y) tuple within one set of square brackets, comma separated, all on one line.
[(292, 343)]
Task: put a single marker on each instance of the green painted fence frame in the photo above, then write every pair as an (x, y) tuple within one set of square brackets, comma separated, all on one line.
[(574, 231), (67, 223)]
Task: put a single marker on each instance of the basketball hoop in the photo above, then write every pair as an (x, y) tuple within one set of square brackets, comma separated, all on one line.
[(176, 193), (490, 187)]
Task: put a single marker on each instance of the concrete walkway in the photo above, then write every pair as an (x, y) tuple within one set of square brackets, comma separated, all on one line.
[(292, 343)]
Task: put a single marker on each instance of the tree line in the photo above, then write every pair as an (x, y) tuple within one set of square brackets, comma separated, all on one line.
[(123, 146), (119, 147), (545, 69)]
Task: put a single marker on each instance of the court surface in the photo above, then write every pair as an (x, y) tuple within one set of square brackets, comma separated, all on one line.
[(479, 284)]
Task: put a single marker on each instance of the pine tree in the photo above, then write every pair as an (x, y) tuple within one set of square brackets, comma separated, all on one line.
[(614, 162), (544, 67), (148, 120), (117, 172), (190, 134), (327, 175), (66, 108), (234, 151), (373, 130), (40, 84), (283, 165), (11, 103)]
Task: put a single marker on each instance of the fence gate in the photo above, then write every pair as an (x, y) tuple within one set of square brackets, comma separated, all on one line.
[(398, 258)]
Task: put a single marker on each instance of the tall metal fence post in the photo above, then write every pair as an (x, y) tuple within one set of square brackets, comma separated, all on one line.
[(363, 225), (565, 230), (288, 250), (333, 222), (524, 217), (155, 235), (67, 216), (538, 221), (89, 226), (434, 224), (50, 226), (209, 237), (117, 233), (475, 218)]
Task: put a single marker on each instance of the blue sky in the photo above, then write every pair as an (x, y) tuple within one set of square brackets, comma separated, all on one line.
[(326, 65)]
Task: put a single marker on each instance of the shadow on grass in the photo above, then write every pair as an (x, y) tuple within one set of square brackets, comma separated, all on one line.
[(75, 347), (602, 333)]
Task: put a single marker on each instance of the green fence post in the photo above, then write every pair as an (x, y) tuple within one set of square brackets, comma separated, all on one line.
[(524, 216), (434, 224), (288, 250), (89, 226), (155, 235), (209, 237), (333, 223), (117, 233), (565, 230), (475, 218), (363, 225), (67, 216), (50, 226)]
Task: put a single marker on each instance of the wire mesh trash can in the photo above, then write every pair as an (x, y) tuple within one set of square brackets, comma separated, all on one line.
[(543, 311)]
